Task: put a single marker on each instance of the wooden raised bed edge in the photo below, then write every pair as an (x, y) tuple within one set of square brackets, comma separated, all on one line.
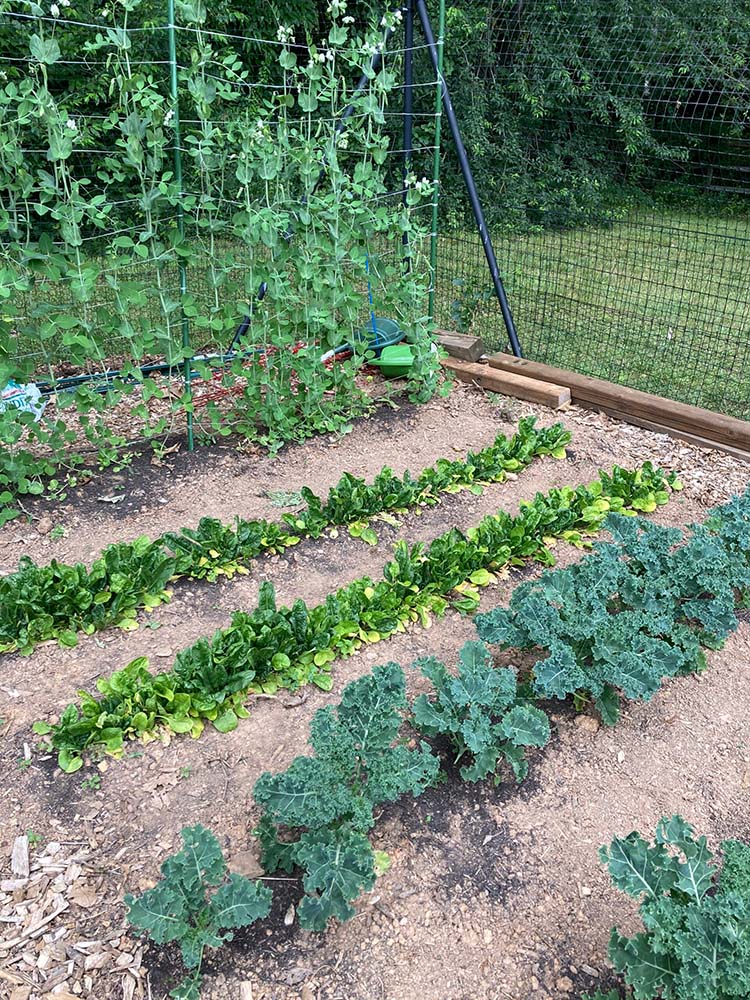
[(702, 427)]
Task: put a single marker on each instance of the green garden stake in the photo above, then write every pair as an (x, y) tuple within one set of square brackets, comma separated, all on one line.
[(177, 152)]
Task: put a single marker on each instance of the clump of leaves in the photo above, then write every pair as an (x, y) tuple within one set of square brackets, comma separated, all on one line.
[(735, 875), (632, 613), (56, 601), (481, 712), (273, 647), (317, 813), (196, 905), (696, 943)]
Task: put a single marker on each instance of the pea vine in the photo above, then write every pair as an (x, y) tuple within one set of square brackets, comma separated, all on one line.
[(55, 601), (279, 647), (274, 193)]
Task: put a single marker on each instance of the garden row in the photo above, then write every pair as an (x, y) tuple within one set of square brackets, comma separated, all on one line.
[(273, 647), (56, 601), (633, 612)]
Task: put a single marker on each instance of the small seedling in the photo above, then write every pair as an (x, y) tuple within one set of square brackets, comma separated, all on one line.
[(58, 532), (185, 772), (92, 784), (180, 907), (34, 839), (24, 763)]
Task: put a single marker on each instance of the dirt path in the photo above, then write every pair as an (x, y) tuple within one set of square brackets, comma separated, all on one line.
[(494, 892)]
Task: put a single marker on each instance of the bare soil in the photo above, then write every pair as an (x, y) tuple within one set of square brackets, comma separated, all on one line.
[(495, 891)]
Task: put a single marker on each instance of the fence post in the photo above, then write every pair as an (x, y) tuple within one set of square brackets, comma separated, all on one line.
[(436, 163), (177, 156), (408, 6)]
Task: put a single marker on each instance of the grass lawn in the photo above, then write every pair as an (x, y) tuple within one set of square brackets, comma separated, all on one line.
[(660, 302)]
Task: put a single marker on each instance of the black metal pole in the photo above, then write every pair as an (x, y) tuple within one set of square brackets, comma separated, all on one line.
[(476, 205), (408, 105)]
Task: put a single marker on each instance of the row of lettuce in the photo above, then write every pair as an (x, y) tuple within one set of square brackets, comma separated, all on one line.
[(56, 601), (640, 608), (274, 647)]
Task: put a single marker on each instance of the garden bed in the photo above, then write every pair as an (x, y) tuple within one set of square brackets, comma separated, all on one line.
[(493, 891)]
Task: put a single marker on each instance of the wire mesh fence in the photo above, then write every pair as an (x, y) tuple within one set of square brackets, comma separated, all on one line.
[(612, 152), (193, 218), (184, 216)]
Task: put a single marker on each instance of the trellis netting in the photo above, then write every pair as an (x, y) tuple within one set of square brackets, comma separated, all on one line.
[(611, 147), (166, 184)]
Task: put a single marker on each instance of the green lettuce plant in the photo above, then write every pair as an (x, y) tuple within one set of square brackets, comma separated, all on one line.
[(55, 601)]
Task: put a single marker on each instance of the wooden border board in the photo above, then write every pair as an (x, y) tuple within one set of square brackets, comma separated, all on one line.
[(634, 405), (460, 345), (509, 383)]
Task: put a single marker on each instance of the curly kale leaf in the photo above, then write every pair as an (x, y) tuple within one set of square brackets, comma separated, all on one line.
[(324, 803), (632, 613), (337, 869), (479, 710), (735, 873), (356, 765), (696, 944), (181, 908)]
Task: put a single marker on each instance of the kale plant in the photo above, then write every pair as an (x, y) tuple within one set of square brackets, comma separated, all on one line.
[(324, 804), (481, 712), (633, 612), (181, 908), (696, 943)]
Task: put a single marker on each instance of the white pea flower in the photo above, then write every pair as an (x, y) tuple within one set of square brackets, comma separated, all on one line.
[(336, 7), (285, 35), (169, 116), (54, 10), (71, 124), (329, 56), (348, 19), (65, 3), (321, 57)]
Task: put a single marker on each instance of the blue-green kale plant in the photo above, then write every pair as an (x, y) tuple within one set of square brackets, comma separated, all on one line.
[(696, 939), (635, 611), (318, 812), (184, 907), (481, 712)]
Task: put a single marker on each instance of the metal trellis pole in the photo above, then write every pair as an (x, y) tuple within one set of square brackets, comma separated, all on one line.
[(436, 54), (408, 7), (177, 155), (438, 67)]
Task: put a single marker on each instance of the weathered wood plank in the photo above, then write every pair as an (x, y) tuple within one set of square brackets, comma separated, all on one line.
[(461, 345), (625, 401), (509, 383)]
